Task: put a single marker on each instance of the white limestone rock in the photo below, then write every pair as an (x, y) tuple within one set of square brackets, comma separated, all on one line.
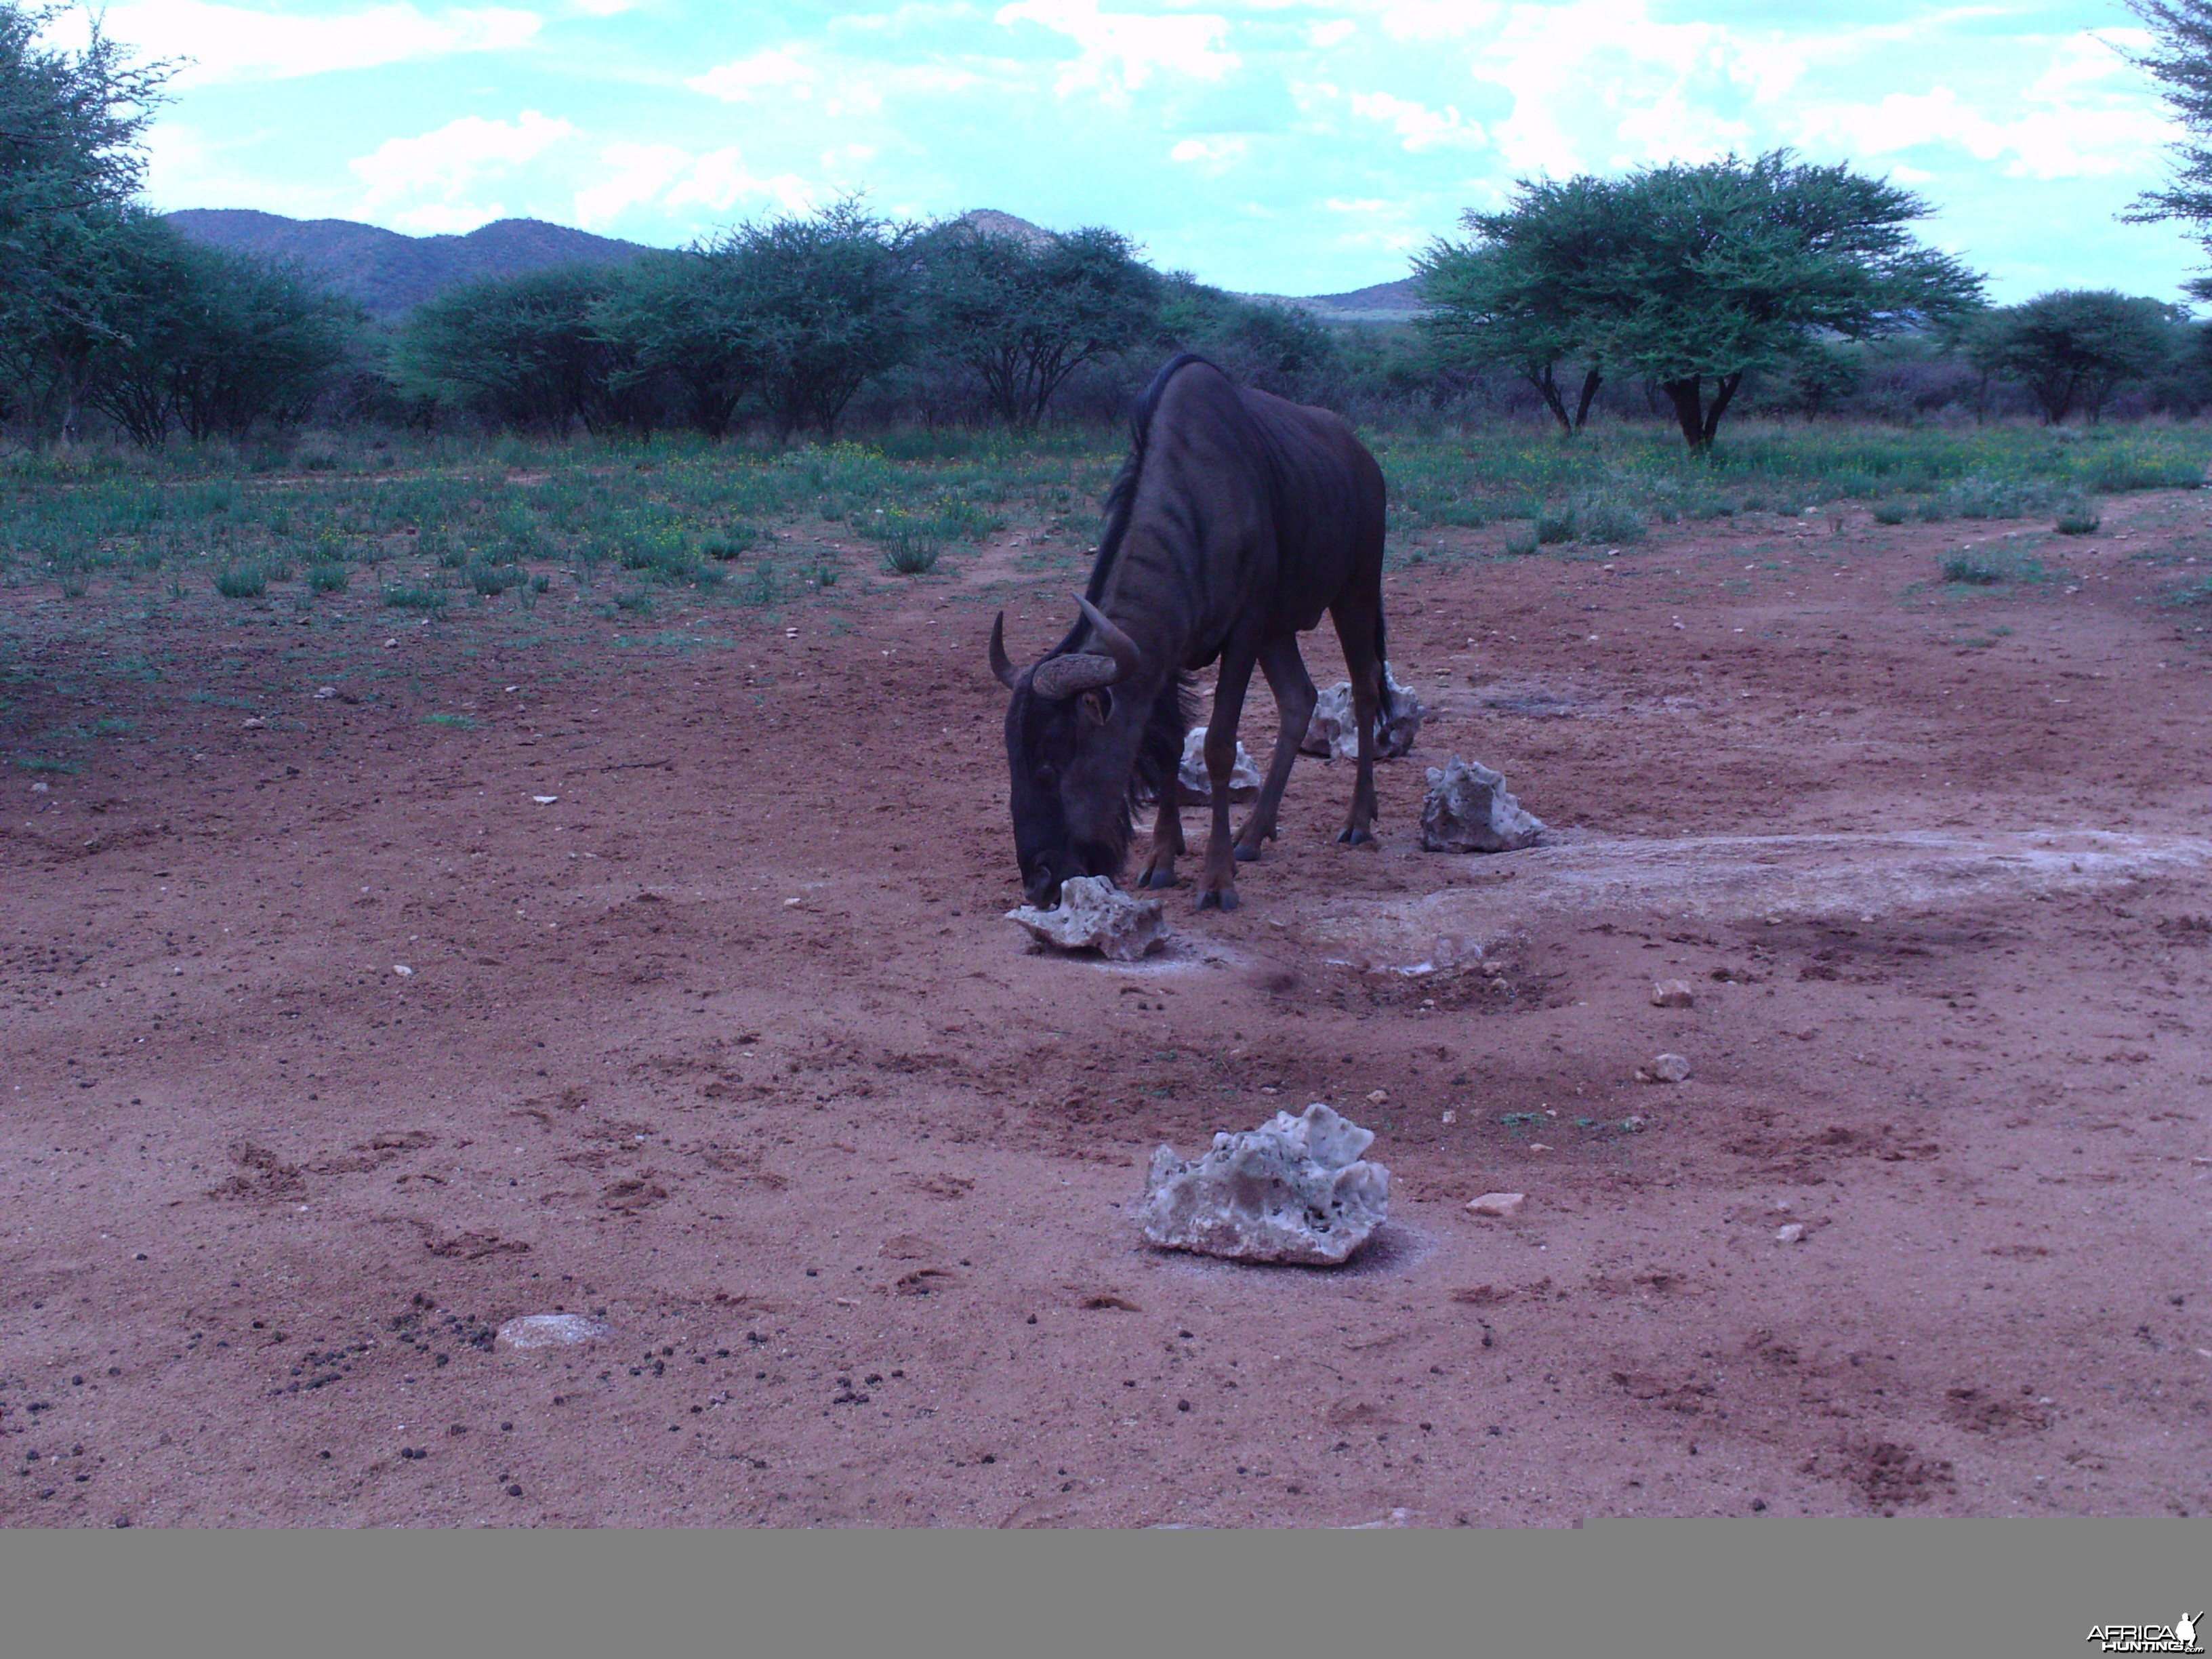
[(560, 1330), (1094, 914), (1469, 809), (1333, 732), (1244, 778), (1294, 1189)]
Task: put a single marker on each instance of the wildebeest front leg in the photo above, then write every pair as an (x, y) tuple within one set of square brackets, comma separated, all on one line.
[(1167, 841), (1218, 887), (1294, 697)]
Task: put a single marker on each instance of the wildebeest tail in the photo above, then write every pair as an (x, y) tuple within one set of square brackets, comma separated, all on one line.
[(1387, 703)]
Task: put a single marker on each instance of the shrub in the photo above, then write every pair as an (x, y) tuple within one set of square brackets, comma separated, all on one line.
[(327, 578), (1600, 515), (1521, 541), (1555, 527), (492, 579), (1891, 512), (241, 582), (731, 543), (1972, 570), (416, 599), (2076, 517)]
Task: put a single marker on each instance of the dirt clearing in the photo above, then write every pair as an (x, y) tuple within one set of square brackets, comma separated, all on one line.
[(671, 989)]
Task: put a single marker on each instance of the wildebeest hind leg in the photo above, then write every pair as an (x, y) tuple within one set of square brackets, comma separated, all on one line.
[(1355, 628), (1167, 843), (1294, 698), (1217, 888)]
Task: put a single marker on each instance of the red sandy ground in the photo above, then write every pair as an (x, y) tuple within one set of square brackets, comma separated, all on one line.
[(730, 1045)]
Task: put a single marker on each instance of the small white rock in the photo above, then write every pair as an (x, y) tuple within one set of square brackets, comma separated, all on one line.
[(545, 801), (1500, 1206), (1378, 1098), (1673, 994), (403, 971), (324, 693), (1093, 914), (255, 723), (1664, 1068), (550, 1331), (1469, 810), (1196, 783), (1793, 1233)]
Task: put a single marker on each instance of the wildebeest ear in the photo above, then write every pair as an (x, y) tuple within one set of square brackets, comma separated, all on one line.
[(1097, 705)]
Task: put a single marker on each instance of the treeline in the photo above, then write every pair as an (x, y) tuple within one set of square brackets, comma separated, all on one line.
[(792, 322), (1686, 291)]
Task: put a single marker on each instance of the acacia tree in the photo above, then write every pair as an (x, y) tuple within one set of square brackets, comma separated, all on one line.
[(1514, 293), (1693, 277), (1025, 314), (802, 311), (2180, 59), (72, 124), (527, 351), (2074, 349)]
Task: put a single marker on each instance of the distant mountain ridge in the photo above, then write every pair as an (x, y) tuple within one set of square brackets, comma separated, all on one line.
[(391, 274)]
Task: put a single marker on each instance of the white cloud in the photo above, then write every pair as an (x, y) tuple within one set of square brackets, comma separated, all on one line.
[(1121, 51), (775, 69), (434, 178), (227, 44), (1418, 127), (1215, 153), (670, 179)]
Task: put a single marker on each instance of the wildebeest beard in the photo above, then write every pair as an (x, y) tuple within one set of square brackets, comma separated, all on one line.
[(1037, 729)]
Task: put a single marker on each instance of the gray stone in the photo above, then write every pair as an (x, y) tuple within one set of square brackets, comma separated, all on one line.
[(1673, 994), (1094, 914), (1499, 1207), (1469, 809), (1664, 1068), (1792, 1232), (1294, 1189), (559, 1330), (1333, 732)]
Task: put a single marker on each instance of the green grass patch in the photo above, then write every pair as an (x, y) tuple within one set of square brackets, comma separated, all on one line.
[(47, 763), (241, 582), (459, 722), (432, 599)]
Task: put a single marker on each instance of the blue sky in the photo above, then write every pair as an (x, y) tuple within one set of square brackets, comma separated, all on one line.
[(1266, 146)]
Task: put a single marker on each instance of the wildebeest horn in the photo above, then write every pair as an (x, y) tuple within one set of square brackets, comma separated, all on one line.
[(1086, 671), (1119, 646), (1057, 677), (1001, 665)]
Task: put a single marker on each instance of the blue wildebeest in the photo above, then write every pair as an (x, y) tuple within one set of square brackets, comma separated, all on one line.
[(1238, 519)]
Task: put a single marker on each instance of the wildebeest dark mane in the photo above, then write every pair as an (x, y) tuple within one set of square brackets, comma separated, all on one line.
[(1160, 753)]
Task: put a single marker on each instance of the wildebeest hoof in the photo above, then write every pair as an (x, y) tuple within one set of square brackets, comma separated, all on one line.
[(1160, 877), (1222, 898), (1248, 854), (1353, 836)]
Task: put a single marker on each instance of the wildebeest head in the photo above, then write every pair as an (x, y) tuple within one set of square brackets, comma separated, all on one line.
[(1072, 740)]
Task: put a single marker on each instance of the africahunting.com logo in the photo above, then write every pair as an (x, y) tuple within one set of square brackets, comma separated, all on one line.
[(2179, 1637)]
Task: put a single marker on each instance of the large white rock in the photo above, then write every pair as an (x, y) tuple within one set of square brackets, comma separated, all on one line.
[(1469, 809), (1244, 779), (1294, 1189), (1333, 732), (1094, 914)]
